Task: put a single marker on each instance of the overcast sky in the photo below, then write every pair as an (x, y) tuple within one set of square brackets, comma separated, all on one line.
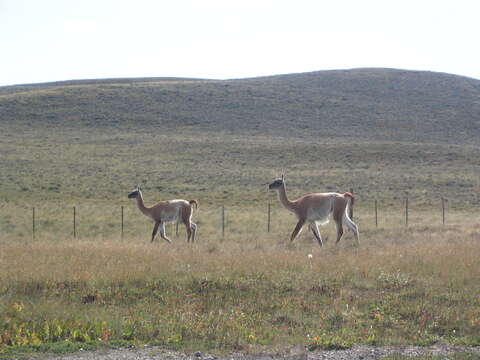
[(50, 40)]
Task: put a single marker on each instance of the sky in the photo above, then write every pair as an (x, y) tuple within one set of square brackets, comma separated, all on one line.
[(54, 40)]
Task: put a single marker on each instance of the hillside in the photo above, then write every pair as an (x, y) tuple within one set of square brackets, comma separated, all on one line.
[(383, 132), (365, 104)]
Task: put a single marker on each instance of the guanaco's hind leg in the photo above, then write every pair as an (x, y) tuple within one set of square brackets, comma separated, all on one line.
[(352, 226), (162, 233), (155, 229), (339, 213), (189, 225), (339, 231), (297, 229), (316, 233), (194, 231), (191, 231)]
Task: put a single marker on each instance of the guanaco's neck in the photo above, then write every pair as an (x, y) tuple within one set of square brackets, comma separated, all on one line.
[(141, 205), (282, 196)]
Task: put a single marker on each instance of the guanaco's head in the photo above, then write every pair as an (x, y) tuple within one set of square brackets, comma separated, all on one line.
[(277, 184), (135, 193)]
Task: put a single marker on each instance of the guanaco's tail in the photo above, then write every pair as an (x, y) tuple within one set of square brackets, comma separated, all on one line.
[(350, 207), (350, 195), (193, 202)]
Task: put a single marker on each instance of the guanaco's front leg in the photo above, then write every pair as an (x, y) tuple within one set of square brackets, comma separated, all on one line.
[(155, 229), (162, 233), (297, 229), (316, 233)]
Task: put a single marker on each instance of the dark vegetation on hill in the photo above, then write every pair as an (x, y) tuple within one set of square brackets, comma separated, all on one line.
[(365, 104), (383, 132)]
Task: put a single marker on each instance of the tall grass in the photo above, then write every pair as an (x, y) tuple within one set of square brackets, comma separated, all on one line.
[(401, 286)]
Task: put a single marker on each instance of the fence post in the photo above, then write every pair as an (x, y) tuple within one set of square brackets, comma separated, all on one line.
[(443, 211), (406, 211), (376, 214), (268, 218), (74, 222), (121, 233), (223, 221), (33, 223)]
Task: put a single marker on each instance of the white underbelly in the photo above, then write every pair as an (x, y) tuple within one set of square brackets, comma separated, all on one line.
[(170, 216), (320, 215)]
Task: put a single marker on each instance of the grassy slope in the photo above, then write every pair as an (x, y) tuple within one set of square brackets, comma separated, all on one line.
[(382, 132), (368, 104)]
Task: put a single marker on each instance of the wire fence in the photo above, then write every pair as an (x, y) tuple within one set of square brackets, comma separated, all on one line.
[(41, 219)]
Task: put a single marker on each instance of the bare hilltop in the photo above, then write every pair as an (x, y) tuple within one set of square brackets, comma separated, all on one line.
[(361, 104)]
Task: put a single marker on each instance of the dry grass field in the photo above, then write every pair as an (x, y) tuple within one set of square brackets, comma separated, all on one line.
[(248, 291)]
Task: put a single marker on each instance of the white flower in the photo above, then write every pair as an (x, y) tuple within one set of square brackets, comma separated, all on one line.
[(310, 256)]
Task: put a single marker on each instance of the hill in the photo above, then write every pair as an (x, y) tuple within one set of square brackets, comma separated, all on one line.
[(382, 132), (362, 104)]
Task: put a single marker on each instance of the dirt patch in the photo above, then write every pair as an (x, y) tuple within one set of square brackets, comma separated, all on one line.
[(360, 352)]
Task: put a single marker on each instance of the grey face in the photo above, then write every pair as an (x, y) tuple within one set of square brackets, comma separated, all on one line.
[(276, 184), (134, 194)]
